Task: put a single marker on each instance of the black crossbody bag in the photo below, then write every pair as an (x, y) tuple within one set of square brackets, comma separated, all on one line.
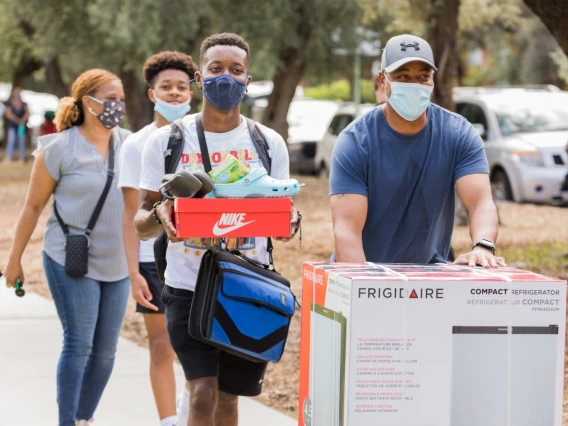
[(77, 246)]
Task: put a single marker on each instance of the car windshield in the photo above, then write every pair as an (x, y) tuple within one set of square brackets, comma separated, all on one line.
[(308, 119), (531, 112)]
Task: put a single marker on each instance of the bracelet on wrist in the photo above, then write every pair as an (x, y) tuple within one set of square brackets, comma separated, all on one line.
[(155, 213), (298, 224), (298, 228)]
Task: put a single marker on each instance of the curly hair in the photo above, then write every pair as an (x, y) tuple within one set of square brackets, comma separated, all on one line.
[(70, 111), (223, 39), (167, 61)]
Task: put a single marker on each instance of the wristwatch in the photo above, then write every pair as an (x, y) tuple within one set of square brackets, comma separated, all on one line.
[(485, 244)]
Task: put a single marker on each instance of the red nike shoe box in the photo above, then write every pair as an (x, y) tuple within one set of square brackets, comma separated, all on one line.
[(232, 217)]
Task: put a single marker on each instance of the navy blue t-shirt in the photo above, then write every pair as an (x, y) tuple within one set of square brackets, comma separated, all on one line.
[(409, 182)]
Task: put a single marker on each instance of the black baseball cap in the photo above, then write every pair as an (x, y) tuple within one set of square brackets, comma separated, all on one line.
[(406, 48)]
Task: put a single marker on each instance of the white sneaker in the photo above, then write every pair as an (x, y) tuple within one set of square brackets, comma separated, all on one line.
[(83, 422), (182, 408), (169, 421)]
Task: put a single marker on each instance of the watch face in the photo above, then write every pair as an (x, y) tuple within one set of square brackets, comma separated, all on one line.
[(487, 243)]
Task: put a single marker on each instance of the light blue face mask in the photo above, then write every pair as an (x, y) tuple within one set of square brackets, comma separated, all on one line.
[(409, 100), (171, 112)]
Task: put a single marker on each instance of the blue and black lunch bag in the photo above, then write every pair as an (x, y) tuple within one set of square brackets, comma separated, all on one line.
[(241, 306)]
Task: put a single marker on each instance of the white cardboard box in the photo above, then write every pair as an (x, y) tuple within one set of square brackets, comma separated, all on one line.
[(430, 345)]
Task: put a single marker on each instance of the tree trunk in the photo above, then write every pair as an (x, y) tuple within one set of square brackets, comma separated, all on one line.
[(24, 69), (139, 109), (54, 79), (288, 75), (443, 39), (554, 15), (291, 66)]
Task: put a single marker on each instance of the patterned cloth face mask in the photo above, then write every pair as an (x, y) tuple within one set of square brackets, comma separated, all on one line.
[(112, 114)]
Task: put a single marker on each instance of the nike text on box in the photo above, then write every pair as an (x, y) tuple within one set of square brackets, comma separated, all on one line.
[(240, 217)]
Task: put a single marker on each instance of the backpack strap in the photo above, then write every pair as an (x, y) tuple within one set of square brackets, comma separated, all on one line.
[(259, 141), (172, 155), (261, 147), (203, 144), (260, 144)]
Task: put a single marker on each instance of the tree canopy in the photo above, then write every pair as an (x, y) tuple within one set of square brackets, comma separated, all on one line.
[(45, 44)]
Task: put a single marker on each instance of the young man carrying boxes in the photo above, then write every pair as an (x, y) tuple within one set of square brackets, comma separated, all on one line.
[(215, 378)]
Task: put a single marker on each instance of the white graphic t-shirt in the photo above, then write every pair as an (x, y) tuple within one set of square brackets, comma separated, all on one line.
[(184, 257), (130, 171)]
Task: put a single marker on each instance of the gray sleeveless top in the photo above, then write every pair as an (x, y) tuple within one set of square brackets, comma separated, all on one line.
[(81, 175)]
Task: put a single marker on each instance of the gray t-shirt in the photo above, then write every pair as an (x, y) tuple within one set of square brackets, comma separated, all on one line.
[(81, 175)]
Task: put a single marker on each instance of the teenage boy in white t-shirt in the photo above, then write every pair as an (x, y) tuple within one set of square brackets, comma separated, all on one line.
[(168, 76), (216, 378)]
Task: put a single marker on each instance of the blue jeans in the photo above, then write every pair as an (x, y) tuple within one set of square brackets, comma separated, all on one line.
[(91, 313), (11, 144)]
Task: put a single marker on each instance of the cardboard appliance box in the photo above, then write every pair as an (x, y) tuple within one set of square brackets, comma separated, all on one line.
[(430, 345)]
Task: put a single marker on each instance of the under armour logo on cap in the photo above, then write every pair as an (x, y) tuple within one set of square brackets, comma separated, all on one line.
[(405, 45), (406, 48)]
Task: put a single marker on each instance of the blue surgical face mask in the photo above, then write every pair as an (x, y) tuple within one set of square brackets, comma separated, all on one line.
[(409, 100), (171, 112), (223, 92)]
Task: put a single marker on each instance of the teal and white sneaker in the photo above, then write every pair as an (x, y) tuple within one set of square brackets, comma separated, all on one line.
[(257, 184)]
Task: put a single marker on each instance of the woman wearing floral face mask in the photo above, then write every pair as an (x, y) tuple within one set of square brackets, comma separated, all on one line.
[(77, 166)]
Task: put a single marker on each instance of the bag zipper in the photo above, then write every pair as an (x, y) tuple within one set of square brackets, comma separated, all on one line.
[(280, 286), (232, 271)]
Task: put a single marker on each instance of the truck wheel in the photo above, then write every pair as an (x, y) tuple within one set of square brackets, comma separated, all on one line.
[(501, 186)]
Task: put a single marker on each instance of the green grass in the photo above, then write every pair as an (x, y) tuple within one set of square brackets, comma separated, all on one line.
[(547, 259)]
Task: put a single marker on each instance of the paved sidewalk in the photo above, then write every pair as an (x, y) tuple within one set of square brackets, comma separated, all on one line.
[(30, 341)]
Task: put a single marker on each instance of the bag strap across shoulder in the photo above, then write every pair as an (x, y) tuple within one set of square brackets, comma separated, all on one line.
[(203, 144), (260, 144), (258, 139), (62, 224), (102, 198), (262, 148)]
